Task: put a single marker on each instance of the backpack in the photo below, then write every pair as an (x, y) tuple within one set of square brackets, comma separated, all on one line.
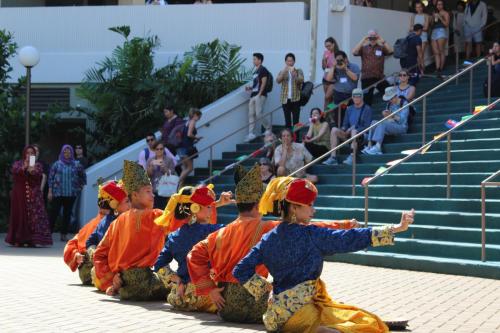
[(401, 48), (269, 82), (175, 136), (146, 154), (305, 92)]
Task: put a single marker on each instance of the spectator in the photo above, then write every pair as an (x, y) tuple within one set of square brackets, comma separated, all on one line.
[(372, 49), (396, 125), (495, 63), (147, 152), (439, 36), (45, 173), (414, 60), (420, 17), (158, 166), (171, 132), (345, 78), (290, 156), (317, 140), (80, 157), (358, 117), (328, 65), (66, 180), (187, 152), (476, 15), (270, 141), (28, 222), (258, 96), (291, 80), (458, 27), (404, 88), (266, 170)]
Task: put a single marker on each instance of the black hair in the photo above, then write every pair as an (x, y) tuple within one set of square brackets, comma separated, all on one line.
[(286, 129), (183, 210), (285, 210), (321, 118), (418, 3), (169, 107), (418, 27), (341, 53), (259, 56), (291, 55), (151, 134), (245, 207)]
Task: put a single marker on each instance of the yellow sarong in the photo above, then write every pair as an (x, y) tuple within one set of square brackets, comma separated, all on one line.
[(190, 302), (323, 311)]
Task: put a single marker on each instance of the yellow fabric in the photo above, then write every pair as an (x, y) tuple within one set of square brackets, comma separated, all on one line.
[(382, 236), (275, 191), (190, 302), (322, 311), (168, 214)]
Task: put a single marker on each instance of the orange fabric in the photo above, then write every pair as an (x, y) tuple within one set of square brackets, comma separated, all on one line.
[(133, 240), (213, 259), (77, 243)]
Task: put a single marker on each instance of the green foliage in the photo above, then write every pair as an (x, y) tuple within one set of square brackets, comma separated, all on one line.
[(128, 93), (12, 111)]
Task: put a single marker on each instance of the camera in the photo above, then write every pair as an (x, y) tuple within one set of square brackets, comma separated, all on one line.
[(340, 62)]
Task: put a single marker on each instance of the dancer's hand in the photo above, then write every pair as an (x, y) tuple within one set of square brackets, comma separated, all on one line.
[(181, 288), (225, 199), (216, 297), (79, 258), (117, 282), (355, 224), (407, 218)]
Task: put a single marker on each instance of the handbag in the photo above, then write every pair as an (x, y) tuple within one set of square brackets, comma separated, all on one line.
[(167, 185)]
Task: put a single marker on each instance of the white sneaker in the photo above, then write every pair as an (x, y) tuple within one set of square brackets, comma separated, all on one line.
[(375, 150), (365, 150), (250, 137)]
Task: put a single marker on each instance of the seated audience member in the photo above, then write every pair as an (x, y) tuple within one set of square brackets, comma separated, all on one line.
[(404, 88), (187, 151), (266, 170), (358, 117), (317, 140), (344, 77), (171, 132), (149, 151), (158, 166), (270, 141), (396, 125), (290, 156)]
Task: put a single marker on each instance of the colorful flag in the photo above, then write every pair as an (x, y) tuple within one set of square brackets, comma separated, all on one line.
[(365, 180), (479, 108), (391, 163), (409, 151), (242, 157), (464, 118), (450, 123), (216, 173), (297, 127), (380, 170), (331, 106)]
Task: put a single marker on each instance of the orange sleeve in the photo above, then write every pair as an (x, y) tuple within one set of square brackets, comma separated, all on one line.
[(70, 251), (336, 224), (199, 270), (104, 275)]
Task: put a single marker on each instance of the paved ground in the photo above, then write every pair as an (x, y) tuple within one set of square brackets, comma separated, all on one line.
[(38, 293)]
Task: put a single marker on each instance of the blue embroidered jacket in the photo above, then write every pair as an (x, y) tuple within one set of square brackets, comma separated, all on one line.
[(180, 242), (294, 253), (99, 232)]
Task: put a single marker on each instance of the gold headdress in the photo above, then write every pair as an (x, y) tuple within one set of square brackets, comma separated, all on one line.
[(249, 187), (134, 176)]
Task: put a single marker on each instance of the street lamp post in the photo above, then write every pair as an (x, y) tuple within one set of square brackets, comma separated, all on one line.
[(28, 57)]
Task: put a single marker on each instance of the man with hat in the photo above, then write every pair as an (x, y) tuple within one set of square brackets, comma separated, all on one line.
[(129, 249), (212, 260), (358, 117), (76, 254), (397, 124)]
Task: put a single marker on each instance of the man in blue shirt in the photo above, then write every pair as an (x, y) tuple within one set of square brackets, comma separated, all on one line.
[(358, 117), (414, 60)]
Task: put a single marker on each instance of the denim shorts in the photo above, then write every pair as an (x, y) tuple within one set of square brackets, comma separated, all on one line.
[(439, 33), (473, 34)]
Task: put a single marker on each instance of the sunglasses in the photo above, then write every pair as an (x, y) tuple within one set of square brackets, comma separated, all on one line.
[(150, 140), (78, 147), (403, 74)]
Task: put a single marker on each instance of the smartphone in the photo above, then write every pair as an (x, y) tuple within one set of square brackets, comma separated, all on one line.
[(32, 161)]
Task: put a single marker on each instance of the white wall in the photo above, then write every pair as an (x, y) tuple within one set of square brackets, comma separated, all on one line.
[(73, 39)]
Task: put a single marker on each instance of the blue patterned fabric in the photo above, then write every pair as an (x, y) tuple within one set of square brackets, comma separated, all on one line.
[(294, 253), (98, 234), (180, 242), (67, 180)]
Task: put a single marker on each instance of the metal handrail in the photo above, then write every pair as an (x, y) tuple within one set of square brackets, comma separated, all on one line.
[(485, 183), (422, 97)]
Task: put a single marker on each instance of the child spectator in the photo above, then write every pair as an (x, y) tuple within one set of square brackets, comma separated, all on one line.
[(317, 140)]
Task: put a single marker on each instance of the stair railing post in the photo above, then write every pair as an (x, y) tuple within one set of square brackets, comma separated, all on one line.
[(354, 150), (210, 163), (483, 222), (424, 118), (448, 166), (366, 205), (489, 81), (470, 87), (456, 61)]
